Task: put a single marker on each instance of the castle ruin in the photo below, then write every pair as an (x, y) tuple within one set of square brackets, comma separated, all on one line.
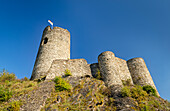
[(53, 59)]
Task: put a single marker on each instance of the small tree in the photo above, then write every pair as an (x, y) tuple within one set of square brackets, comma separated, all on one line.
[(67, 73)]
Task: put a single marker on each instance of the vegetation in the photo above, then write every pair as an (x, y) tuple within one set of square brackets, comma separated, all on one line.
[(14, 106), (61, 84), (11, 87), (6, 76), (86, 95), (67, 73), (150, 90), (79, 94), (146, 97), (5, 94), (126, 82), (98, 75)]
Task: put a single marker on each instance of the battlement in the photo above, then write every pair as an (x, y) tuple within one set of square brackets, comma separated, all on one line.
[(56, 30)]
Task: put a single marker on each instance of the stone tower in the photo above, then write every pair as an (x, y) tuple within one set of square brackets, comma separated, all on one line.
[(109, 69), (140, 73), (55, 44)]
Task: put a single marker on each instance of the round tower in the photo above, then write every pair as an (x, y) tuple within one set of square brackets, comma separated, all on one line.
[(140, 73), (108, 68), (55, 44)]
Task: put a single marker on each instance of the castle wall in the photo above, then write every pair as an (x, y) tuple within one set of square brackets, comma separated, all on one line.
[(140, 73), (94, 69), (78, 67), (123, 70), (109, 69), (55, 44)]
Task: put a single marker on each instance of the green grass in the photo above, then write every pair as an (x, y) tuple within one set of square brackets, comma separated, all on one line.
[(10, 87), (15, 106), (5, 94)]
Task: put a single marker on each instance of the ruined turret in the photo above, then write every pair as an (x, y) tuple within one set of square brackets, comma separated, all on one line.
[(140, 73)]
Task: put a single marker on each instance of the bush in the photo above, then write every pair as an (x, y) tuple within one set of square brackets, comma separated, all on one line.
[(125, 92), (14, 106), (61, 84), (25, 79), (68, 73), (137, 92), (126, 82), (98, 75), (150, 90), (5, 94), (7, 76)]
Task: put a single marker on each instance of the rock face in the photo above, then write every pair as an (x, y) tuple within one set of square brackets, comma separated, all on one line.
[(140, 73), (35, 100), (55, 44)]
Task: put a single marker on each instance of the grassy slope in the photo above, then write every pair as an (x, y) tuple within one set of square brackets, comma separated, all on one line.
[(82, 94)]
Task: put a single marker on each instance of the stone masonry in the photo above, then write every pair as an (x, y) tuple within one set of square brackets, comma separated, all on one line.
[(55, 44), (109, 69), (53, 59), (140, 73), (123, 70), (77, 67)]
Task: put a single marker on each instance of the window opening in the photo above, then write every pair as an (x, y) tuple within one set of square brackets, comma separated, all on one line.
[(45, 40)]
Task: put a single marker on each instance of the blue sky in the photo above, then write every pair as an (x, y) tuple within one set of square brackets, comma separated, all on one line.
[(129, 28)]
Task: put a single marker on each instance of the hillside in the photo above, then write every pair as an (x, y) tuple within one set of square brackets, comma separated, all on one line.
[(75, 94)]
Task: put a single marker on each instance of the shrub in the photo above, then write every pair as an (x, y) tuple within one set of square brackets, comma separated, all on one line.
[(67, 73), (98, 75), (150, 90), (125, 92), (126, 82), (137, 92), (7, 76), (25, 79), (5, 94), (61, 84), (14, 106), (145, 108)]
